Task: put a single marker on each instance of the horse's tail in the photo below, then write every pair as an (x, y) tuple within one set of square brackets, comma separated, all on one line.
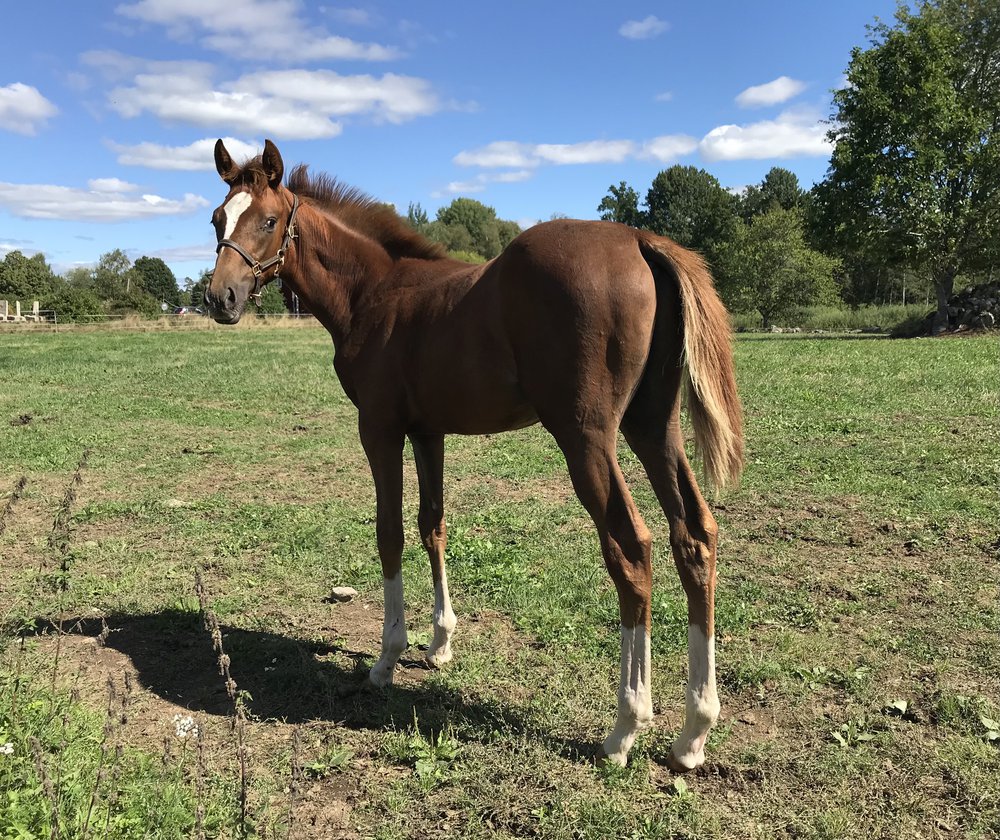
[(712, 398)]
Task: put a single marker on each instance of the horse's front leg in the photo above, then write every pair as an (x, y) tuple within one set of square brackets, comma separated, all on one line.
[(385, 455), (428, 452)]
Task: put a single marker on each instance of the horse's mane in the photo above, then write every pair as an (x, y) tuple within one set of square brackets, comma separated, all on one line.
[(351, 207)]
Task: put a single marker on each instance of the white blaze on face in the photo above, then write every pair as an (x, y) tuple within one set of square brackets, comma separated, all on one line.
[(234, 208)]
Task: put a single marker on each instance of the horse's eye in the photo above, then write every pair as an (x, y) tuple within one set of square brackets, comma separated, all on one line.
[(270, 223)]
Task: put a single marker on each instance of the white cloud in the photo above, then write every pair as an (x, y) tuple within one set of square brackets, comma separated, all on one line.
[(204, 252), (257, 29), (497, 154), (392, 97), (24, 246), (48, 201), (507, 153), (461, 188), (286, 104), (639, 30), (780, 90), (666, 96), (482, 180), (792, 134), (669, 147), (592, 151), (512, 177), (116, 66), (187, 100), (23, 109), (111, 185), (195, 156)]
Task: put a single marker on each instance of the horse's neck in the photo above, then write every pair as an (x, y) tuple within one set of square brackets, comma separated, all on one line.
[(331, 266)]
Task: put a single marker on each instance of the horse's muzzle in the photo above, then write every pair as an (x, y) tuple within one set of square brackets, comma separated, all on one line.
[(227, 304)]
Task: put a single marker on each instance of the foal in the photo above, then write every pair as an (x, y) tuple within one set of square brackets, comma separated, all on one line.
[(585, 327)]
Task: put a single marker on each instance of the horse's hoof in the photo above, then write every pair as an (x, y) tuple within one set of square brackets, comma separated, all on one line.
[(602, 759), (438, 658), (678, 766)]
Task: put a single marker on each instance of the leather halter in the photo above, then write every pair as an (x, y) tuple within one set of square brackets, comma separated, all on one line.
[(258, 268)]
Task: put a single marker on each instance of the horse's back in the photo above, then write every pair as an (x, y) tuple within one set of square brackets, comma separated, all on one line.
[(561, 321), (579, 304)]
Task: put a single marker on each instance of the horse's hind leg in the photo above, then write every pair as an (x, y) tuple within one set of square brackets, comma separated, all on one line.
[(428, 452), (626, 545), (652, 429)]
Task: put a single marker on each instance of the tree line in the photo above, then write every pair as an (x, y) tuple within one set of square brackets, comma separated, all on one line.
[(909, 206), (911, 200), (115, 286)]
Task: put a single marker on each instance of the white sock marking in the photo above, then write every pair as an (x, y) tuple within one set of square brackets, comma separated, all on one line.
[(635, 701), (439, 651), (702, 706), (235, 207), (393, 631)]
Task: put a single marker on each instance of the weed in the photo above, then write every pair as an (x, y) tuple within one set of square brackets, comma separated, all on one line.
[(431, 756)]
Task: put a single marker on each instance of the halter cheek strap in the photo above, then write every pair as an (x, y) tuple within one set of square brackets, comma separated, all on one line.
[(258, 268)]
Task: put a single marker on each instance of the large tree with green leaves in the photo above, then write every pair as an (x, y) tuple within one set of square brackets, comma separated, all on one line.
[(25, 278), (915, 173), (770, 268), (621, 204), (157, 279), (691, 207), (466, 227), (780, 188)]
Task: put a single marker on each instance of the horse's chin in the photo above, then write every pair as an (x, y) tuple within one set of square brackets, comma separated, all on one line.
[(227, 318)]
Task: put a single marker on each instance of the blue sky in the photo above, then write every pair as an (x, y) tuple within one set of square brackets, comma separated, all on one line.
[(109, 110)]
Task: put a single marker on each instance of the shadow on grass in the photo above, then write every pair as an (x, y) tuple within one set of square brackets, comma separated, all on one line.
[(297, 681)]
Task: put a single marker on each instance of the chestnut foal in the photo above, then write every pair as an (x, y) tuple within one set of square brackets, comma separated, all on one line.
[(585, 327)]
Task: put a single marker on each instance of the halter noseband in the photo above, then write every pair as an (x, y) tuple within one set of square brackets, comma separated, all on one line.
[(258, 268)]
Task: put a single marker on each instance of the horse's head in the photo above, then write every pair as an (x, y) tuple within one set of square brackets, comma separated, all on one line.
[(254, 226)]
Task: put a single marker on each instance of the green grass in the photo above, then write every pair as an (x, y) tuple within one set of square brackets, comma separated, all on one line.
[(858, 606)]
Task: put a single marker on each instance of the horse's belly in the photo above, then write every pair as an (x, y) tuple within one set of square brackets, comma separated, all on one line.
[(475, 407)]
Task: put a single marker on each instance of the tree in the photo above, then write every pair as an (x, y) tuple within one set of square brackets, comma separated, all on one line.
[(771, 269), (691, 207), (197, 289), (73, 303), (113, 275), (25, 278), (780, 188), (157, 279), (115, 282), (417, 216), (915, 172), (621, 204), (466, 226), (454, 237), (489, 234)]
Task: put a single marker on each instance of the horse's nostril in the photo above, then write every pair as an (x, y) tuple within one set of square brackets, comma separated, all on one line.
[(230, 295)]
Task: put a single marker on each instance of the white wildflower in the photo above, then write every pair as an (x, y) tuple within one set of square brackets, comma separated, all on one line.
[(6, 749), (184, 725)]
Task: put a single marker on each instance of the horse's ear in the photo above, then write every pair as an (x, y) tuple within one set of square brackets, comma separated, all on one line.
[(274, 168), (224, 163)]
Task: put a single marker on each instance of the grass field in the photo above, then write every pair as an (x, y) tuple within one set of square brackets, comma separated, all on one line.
[(859, 622)]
